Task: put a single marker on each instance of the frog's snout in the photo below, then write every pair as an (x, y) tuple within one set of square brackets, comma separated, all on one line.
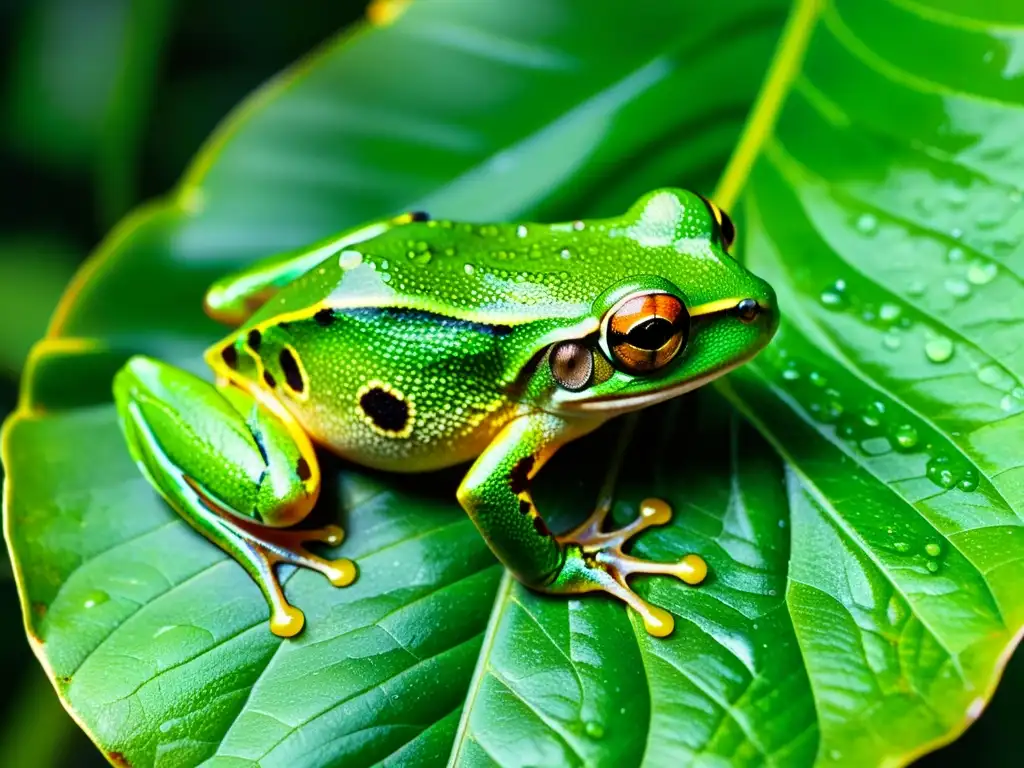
[(761, 310)]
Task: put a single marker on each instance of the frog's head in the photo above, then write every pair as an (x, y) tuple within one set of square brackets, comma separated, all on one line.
[(681, 312)]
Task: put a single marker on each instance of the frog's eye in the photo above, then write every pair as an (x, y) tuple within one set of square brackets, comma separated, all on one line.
[(646, 331), (726, 229), (572, 365)]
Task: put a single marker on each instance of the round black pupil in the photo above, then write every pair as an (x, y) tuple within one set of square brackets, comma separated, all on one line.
[(651, 334)]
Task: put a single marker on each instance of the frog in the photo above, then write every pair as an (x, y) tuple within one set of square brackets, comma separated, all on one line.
[(412, 344)]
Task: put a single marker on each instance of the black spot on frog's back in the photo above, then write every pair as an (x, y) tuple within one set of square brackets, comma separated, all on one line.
[(385, 409), (290, 368)]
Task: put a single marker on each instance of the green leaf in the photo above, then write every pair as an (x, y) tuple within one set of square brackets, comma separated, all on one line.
[(33, 273), (864, 547)]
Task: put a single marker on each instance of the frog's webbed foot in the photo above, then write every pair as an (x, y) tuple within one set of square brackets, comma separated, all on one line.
[(260, 549), (595, 562)]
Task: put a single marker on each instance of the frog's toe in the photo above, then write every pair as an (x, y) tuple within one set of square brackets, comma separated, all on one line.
[(595, 562), (286, 546), (262, 549)]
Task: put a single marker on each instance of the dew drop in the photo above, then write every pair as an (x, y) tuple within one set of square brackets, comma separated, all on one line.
[(817, 379), (578, 226), (933, 549), (94, 598), (565, 253), (969, 482), (867, 223), (522, 231), (981, 272), (901, 546), (349, 259), (791, 374), (940, 471), (594, 729), (938, 349), (932, 566), (892, 341), (916, 288), (834, 297), (469, 269), (994, 376), (889, 312), (906, 437), (955, 255), (957, 287), (956, 233)]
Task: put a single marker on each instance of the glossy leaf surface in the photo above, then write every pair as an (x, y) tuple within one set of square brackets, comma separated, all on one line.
[(862, 596)]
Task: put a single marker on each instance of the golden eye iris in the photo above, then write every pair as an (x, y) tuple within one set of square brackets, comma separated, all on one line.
[(646, 331)]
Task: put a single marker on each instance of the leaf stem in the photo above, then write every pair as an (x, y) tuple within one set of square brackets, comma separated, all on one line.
[(786, 64)]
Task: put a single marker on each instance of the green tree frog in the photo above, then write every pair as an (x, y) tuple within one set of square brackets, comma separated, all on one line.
[(411, 344)]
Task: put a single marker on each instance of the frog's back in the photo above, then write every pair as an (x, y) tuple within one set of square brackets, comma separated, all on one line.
[(508, 273)]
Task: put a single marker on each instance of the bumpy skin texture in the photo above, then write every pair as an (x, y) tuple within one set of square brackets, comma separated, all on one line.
[(412, 344)]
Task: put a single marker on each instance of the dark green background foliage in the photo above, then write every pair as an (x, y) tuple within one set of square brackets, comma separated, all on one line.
[(855, 490)]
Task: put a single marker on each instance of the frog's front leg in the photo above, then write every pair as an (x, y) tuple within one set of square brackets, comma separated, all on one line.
[(496, 494), (233, 469)]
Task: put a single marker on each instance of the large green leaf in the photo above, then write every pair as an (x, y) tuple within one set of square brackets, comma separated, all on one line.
[(861, 602)]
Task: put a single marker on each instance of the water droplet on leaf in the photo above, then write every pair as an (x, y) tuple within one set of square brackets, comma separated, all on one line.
[(938, 349), (981, 272), (867, 223), (94, 598), (957, 287), (906, 437)]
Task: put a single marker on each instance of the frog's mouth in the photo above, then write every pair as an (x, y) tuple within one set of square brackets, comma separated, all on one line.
[(624, 403)]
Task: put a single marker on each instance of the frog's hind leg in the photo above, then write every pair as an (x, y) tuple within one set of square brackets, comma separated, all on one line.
[(233, 469)]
